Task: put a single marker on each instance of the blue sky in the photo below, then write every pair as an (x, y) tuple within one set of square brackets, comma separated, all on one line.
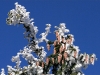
[(82, 18)]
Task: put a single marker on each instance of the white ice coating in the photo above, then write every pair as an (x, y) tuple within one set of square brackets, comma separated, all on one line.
[(2, 72)]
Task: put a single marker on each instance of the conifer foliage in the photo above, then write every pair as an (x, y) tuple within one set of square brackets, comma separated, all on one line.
[(65, 60)]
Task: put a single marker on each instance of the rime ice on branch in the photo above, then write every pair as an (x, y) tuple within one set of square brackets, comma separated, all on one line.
[(65, 59)]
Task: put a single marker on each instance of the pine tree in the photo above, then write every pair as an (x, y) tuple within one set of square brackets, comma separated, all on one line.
[(65, 59)]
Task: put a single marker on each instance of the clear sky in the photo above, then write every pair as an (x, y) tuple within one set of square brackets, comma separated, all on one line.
[(82, 18)]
